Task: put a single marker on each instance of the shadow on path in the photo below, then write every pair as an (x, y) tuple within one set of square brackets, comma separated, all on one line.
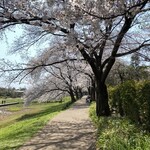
[(70, 130)]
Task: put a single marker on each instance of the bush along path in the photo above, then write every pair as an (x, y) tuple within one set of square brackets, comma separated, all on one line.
[(119, 133), (72, 129)]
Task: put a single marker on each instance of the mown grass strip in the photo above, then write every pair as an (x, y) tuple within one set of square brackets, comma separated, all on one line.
[(116, 133), (10, 100), (26, 125)]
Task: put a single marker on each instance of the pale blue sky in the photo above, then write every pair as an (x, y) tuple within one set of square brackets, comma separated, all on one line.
[(5, 46), (6, 42)]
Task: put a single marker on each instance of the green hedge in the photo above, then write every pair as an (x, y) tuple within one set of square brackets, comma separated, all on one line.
[(132, 99), (143, 99)]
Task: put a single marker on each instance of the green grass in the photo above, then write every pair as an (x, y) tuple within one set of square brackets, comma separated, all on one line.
[(22, 127), (11, 100), (13, 108), (116, 133)]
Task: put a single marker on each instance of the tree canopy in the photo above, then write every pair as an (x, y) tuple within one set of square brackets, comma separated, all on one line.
[(97, 31)]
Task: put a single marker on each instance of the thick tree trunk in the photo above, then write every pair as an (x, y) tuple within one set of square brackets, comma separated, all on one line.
[(80, 93), (102, 106), (72, 96), (77, 94), (93, 90)]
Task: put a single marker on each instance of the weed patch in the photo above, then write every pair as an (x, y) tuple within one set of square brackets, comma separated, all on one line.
[(116, 133)]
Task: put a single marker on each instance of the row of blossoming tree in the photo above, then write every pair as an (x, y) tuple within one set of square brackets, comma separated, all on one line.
[(97, 32)]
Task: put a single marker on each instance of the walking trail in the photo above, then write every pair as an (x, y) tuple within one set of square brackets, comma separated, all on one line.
[(72, 129)]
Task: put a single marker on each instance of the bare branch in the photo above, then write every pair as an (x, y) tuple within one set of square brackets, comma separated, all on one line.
[(133, 50)]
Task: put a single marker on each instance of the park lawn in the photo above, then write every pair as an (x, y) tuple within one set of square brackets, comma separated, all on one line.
[(116, 133), (21, 127), (12, 108), (11, 100)]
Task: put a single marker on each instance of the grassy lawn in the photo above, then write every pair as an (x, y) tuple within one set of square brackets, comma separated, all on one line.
[(10, 100), (114, 133), (23, 124)]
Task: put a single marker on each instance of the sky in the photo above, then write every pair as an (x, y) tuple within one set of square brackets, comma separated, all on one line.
[(5, 46), (5, 54)]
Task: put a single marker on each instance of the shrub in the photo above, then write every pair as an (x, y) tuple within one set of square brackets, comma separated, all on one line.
[(115, 100), (128, 99), (143, 98), (132, 99), (124, 99)]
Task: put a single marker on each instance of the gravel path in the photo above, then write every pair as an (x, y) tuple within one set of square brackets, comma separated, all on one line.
[(69, 130)]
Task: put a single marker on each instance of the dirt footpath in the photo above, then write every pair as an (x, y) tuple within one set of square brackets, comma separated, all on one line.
[(69, 130)]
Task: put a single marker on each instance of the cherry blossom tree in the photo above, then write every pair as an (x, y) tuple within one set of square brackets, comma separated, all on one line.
[(54, 82), (99, 30)]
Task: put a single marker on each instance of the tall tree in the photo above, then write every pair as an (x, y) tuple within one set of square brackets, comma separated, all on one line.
[(100, 30), (54, 82)]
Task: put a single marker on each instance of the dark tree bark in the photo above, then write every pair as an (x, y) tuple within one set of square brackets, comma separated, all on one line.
[(72, 95), (78, 92), (93, 90), (102, 106)]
